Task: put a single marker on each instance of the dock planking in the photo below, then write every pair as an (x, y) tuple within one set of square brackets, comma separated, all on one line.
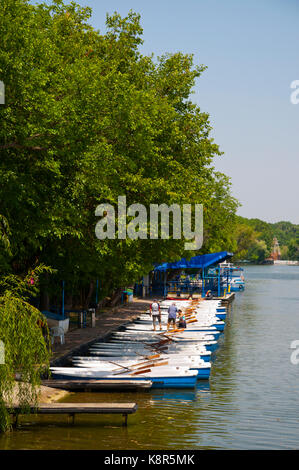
[(227, 299), (99, 385), (72, 409)]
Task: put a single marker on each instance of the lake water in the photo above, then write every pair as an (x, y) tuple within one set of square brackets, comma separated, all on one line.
[(250, 402)]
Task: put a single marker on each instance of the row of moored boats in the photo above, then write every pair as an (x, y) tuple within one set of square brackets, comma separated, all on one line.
[(176, 358)]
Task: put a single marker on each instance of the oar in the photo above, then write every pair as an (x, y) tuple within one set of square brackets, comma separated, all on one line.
[(177, 330), (164, 333), (118, 365), (141, 372), (162, 348), (168, 339), (148, 358), (153, 346), (153, 356), (141, 365), (153, 364), (162, 342), (122, 368)]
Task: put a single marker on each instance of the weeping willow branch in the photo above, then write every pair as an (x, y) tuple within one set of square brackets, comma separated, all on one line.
[(24, 332)]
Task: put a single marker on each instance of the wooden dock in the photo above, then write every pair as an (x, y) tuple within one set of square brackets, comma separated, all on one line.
[(99, 385), (79, 340), (71, 409), (227, 299)]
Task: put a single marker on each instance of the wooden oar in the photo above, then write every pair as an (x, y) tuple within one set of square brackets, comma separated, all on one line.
[(146, 363), (121, 369), (118, 365), (174, 330), (163, 341), (154, 364), (141, 372), (155, 356), (177, 330), (150, 346), (163, 348)]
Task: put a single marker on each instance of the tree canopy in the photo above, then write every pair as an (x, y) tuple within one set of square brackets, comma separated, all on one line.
[(87, 118)]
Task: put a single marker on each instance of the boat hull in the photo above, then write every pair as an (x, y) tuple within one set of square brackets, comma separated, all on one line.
[(221, 316), (239, 288), (157, 382)]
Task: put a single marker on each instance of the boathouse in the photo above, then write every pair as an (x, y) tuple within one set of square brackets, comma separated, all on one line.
[(190, 277)]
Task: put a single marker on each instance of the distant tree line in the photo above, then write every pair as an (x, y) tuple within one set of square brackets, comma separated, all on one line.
[(253, 239)]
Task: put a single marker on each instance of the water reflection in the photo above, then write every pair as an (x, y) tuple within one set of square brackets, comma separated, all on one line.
[(179, 396)]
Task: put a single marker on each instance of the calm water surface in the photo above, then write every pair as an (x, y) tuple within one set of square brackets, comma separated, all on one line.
[(250, 402)]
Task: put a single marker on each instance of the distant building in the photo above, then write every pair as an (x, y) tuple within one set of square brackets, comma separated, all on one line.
[(275, 254)]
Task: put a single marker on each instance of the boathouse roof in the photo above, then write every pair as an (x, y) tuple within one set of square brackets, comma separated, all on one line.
[(196, 262)]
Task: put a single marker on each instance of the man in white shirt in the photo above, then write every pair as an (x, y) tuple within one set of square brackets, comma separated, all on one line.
[(155, 312)]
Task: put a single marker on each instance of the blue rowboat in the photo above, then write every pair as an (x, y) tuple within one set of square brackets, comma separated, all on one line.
[(221, 316), (182, 378), (203, 373), (219, 326), (212, 332), (211, 347), (237, 284), (206, 357)]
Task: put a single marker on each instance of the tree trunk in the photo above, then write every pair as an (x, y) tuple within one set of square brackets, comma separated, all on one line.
[(116, 297), (89, 295)]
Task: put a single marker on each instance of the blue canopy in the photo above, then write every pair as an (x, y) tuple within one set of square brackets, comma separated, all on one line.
[(197, 262)]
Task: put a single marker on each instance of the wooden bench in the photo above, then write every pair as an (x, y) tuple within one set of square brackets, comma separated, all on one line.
[(78, 408)]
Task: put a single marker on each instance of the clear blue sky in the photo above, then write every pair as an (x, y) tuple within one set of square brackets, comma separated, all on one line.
[(251, 48)]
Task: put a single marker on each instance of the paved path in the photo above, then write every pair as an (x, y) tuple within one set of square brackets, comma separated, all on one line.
[(106, 323)]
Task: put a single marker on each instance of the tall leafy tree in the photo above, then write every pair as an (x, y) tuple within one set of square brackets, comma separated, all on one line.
[(88, 118)]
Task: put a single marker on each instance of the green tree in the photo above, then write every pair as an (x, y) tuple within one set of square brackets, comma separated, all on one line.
[(258, 251), (284, 252), (26, 354), (245, 238), (293, 249), (24, 341), (88, 118)]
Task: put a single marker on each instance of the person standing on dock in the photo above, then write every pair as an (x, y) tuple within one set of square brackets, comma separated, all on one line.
[(182, 320), (155, 312), (172, 312)]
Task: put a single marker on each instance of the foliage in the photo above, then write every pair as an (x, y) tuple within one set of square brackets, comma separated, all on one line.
[(254, 239), (258, 252), (24, 333), (88, 118)]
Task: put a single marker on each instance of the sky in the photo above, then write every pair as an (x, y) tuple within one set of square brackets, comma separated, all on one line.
[(251, 49)]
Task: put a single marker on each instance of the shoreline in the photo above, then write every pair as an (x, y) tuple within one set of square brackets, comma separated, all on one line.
[(51, 395), (46, 395)]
